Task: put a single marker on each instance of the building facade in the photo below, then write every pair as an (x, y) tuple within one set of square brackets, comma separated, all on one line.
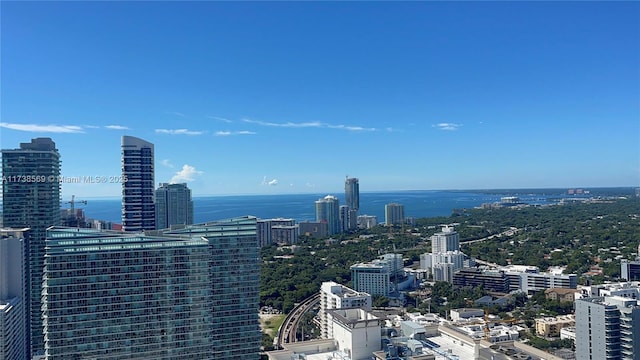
[(394, 214), (335, 296), (352, 193), (188, 293), (174, 205), (495, 281), (607, 328), (313, 229), (371, 278), (328, 210), (235, 277), (31, 199), (13, 292), (112, 295), (138, 184), (446, 240)]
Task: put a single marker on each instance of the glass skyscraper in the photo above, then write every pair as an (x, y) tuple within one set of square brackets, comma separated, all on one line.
[(188, 293), (138, 186), (173, 205), (352, 193), (115, 295), (235, 279), (31, 199)]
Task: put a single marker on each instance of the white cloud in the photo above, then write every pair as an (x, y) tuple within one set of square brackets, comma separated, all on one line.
[(117, 127), (43, 128), (229, 133), (272, 182), (220, 119), (166, 163), (177, 113), (312, 124), (187, 173), (310, 185), (179, 132), (447, 126)]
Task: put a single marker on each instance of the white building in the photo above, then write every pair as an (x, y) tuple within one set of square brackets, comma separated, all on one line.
[(445, 257), (374, 279), (394, 214), (356, 332), (367, 221), (529, 280), (12, 294), (445, 240), (607, 328), (335, 296), (380, 276)]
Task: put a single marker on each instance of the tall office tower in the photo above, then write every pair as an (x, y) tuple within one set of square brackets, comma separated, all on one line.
[(352, 193), (607, 328), (113, 295), (13, 276), (235, 278), (173, 205), (335, 296), (31, 199), (138, 205), (393, 214), (328, 210), (445, 240)]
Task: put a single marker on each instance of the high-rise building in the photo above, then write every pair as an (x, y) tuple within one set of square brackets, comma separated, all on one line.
[(394, 214), (138, 205), (607, 328), (352, 193), (235, 278), (173, 205), (185, 293), (328, 210), (31, 199), (113, 295), (13, 276), (335, 296), (380, 276), (446, 240)]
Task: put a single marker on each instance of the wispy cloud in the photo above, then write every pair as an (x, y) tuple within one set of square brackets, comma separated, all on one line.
[(447, 126), (230, 133), (176, 113), (272, 182), (179, 132), (117, 127), (220, 119), (43, 128), (311, 124), (167, 163), (187, 174)]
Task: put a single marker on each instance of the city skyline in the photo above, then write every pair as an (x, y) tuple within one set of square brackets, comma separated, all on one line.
[(425, 96)]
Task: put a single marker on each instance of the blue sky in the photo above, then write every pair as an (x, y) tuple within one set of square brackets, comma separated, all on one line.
[(290, 97)]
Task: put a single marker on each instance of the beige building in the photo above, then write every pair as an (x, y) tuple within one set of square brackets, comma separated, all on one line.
[(560, 294), (551, 326)]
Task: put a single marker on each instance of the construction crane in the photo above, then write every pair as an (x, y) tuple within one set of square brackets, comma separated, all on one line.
[(73, 203), (72, 218)]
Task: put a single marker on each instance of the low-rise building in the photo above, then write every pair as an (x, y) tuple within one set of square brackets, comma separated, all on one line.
[(495, 281), (562, 295), (551, 326)]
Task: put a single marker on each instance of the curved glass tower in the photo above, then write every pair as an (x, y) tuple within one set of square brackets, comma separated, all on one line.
[(138, 204)]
